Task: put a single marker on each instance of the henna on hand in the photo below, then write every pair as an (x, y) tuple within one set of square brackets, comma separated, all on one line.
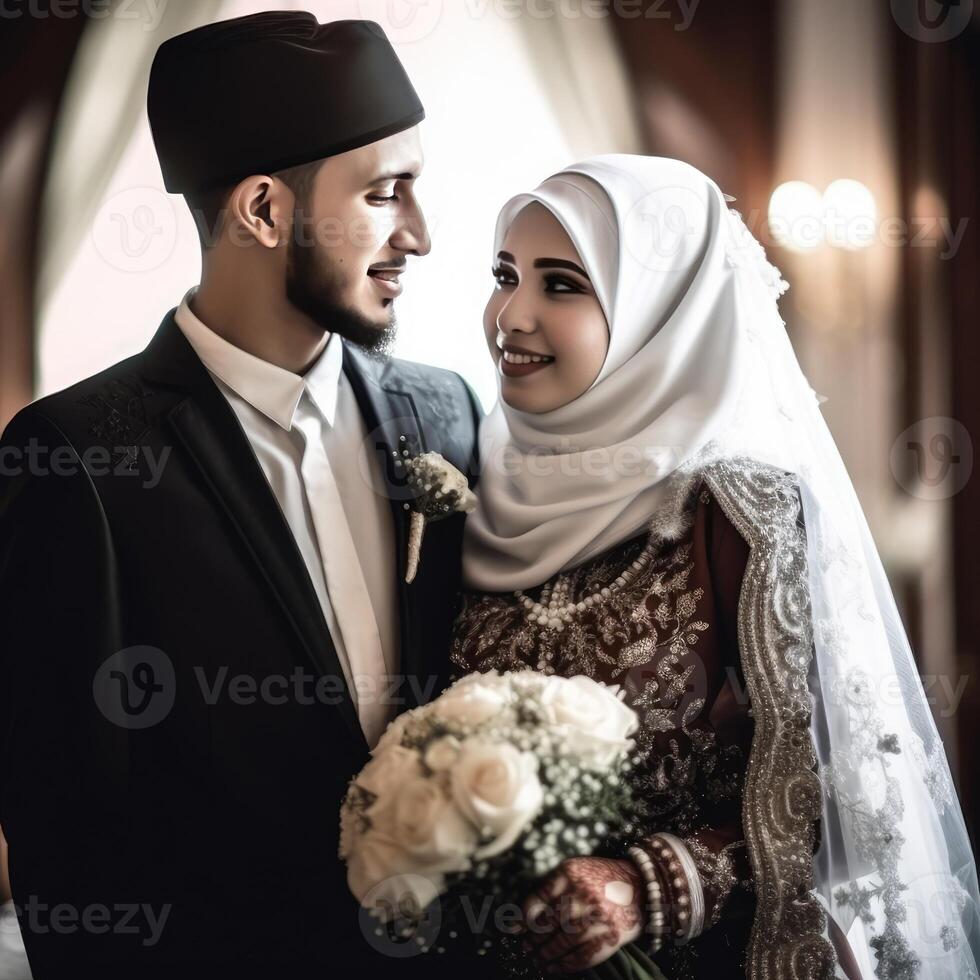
[(584, 911)]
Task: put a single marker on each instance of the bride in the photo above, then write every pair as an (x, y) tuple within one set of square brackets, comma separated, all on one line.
[(662, 507)]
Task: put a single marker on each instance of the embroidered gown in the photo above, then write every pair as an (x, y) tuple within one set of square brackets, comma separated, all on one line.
[(669, 637)]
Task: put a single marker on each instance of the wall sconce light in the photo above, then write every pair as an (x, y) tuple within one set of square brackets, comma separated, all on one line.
[(801, 218), (850, 215), (796, 215)]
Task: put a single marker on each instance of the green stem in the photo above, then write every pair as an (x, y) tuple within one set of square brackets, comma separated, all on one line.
[(627, 963)]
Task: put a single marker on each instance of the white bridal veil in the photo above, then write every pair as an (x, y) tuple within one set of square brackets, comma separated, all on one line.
[(700, 368)]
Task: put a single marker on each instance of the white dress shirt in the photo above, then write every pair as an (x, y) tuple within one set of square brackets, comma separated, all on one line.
[(308, 435)]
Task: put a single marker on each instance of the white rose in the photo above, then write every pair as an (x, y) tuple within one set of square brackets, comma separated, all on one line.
[(595, 723), (496, 786), (526, 681), (438, 472), (424, 822), (470, 704), (388, 769), (490, 678), (442, 753), (451, 480), (381, 876)]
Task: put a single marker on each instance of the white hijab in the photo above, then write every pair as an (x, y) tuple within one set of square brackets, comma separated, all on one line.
[(560, 487), (700, 368)]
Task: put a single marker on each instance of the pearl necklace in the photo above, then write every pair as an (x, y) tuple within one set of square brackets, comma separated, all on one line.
[(554, 610)]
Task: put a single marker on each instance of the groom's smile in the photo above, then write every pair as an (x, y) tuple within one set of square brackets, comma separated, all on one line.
[(387, 278)]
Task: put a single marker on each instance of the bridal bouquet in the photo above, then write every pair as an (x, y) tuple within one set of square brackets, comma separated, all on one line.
[(484, 791)]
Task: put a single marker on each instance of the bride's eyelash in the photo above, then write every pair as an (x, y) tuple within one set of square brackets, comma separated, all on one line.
[(554, 279)]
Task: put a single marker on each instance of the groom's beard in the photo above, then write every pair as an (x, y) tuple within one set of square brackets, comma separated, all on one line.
[(315, 290)]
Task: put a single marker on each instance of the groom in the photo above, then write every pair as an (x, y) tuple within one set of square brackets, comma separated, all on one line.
[(203, 548)]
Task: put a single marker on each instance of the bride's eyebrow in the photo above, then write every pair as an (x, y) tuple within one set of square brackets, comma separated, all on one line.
[(560, 264)]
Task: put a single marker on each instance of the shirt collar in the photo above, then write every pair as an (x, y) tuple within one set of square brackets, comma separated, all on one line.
[(273, 390)]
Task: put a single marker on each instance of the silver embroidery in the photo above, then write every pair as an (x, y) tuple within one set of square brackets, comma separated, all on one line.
[(717, 871), (782, 798)]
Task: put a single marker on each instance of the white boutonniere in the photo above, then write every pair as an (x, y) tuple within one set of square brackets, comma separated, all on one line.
[(441, 490)]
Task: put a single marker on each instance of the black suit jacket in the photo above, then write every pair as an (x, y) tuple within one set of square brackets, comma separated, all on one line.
[(176, 732)]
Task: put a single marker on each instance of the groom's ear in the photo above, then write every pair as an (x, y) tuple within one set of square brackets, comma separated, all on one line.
[(262, 208)]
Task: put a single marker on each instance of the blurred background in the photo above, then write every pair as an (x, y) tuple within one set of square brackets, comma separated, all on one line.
[(847, 131)]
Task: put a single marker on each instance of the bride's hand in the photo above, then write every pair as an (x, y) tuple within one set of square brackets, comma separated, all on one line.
[(583, 912)]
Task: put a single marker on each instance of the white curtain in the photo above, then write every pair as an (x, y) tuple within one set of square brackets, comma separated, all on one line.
[(578, 64), (104, 96)]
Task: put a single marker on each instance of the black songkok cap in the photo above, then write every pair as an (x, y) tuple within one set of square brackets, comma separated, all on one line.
[(261, 93)]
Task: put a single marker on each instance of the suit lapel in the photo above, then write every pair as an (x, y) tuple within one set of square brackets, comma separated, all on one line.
[(209, 430), (394, 429)]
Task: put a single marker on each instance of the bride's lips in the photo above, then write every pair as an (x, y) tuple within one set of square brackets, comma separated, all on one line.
[(519, 362), (387, 281)]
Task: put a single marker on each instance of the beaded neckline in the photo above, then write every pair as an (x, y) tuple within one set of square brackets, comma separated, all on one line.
[(555, 611)]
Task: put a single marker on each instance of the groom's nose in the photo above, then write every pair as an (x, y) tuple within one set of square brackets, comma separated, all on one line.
[(411, 233)]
